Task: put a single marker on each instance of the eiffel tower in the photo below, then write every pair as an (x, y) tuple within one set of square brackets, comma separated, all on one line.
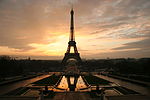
[(71, 44)]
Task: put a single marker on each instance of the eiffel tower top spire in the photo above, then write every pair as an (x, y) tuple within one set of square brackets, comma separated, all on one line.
[(72, 37)]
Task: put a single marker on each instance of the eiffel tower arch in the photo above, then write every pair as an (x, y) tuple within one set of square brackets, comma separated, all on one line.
[(72, 44)]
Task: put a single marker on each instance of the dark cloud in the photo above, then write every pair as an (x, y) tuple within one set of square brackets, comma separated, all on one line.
[(123, 54), (142, 45), (137, 34), (121, 14), (127, 8)]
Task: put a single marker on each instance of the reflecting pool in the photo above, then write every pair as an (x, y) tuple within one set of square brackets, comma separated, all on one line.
[(63, 85)]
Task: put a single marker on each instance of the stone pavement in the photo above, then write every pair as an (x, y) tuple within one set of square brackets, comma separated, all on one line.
[(86, 96), (77, 96), (129, 97), (72, 96)]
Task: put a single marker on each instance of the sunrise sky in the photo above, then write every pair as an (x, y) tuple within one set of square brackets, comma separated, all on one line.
[(103, 28)]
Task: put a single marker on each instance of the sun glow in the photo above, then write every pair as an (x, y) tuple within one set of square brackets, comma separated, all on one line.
[(56, 48)]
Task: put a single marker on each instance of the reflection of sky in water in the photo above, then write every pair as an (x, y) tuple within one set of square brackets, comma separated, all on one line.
[(63, 83), (72, 80), (80, 83)]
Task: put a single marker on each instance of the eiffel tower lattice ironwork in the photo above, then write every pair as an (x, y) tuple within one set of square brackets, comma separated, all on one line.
[(71, 44)]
